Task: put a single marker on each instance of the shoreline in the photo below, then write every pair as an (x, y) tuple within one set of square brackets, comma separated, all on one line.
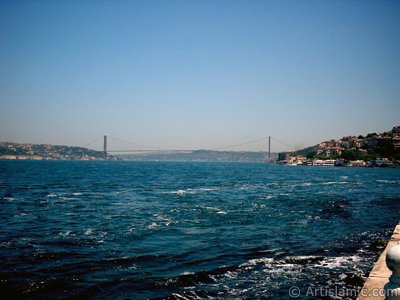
[(373, 288), (393, 166)]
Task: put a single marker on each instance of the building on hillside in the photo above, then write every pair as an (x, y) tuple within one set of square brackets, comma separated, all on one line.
[(297, 160), (396, 130), (346, 144), (396, 143), (362, 152), (333, 151), (359, 143), (282, 156), (371, 142)]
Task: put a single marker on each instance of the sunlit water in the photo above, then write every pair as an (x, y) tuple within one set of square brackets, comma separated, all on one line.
[(189, 230)]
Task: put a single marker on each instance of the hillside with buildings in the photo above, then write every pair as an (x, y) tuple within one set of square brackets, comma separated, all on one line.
[(374, 149), (13, 151)]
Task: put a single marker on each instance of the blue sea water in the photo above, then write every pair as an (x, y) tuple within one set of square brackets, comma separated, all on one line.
[(153, 230)]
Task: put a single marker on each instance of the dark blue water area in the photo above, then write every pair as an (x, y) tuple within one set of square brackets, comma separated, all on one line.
[(153, 230)]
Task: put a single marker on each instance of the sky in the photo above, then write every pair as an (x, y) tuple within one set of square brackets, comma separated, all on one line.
[(182, 74)]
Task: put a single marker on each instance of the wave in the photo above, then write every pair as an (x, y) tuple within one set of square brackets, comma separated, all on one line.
[(269, 197), (217, 210), (145, 230), (335, 182), (152, 225), (248, 279), (388, 181), (77, 194), (88, 231), (230, 281), (66, 233), (192, 191)]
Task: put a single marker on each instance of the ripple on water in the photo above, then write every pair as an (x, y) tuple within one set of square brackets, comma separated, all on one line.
[(167, 230)]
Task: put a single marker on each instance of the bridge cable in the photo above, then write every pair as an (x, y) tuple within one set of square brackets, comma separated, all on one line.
[(137, 145), (241, 144), (92, 142), (210, 149), (283, 143)]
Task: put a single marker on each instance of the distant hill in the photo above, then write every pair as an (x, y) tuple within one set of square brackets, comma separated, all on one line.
[(48, 152), (307, 151), (200, 156)]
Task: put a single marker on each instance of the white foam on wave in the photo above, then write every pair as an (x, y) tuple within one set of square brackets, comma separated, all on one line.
[(179, 192), (165, 220), (23, 214), (268, 197), (178, 296), (5, 244), (306, 184), (206, 189), (66, 233), (130, 229), (152, 225), (339, 261), (387, 181), (192, 191), (265, 274), (89, 231), (335, 182), (231, 275), (187, 273), (294, 262), (256, 261), (216, 210)]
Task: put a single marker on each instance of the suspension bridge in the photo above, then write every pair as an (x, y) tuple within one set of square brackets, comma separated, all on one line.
[(139, 148)]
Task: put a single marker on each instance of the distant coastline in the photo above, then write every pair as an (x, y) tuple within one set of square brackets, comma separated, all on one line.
[(17, 151), (373, 150)]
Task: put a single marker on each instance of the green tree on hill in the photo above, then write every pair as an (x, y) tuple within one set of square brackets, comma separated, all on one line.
[(349, 155)]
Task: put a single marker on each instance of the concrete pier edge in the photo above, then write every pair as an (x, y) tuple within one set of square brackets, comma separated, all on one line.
[(379, 276)]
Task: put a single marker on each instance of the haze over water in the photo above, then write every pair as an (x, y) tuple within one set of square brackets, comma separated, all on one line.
[(171, 230)]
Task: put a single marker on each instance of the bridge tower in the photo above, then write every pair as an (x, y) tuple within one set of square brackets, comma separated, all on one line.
[(269, 149), (105, 147)]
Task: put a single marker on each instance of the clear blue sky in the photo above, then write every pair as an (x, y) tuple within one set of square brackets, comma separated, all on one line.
[(198, 74)]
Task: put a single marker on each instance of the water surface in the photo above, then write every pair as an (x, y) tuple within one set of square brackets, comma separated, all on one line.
[(151, 230)]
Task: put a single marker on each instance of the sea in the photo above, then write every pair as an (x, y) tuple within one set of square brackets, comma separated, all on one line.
[(184, 230)]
